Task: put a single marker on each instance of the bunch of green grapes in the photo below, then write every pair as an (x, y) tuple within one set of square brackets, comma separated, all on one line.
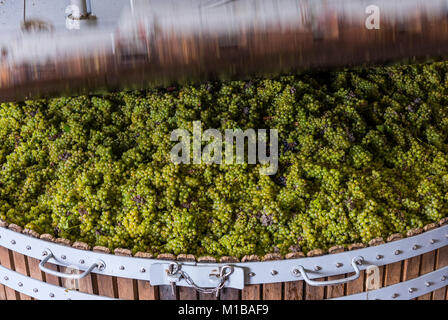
[(363, 153)]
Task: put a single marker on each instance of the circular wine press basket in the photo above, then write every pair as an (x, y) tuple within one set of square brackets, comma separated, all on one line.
[(34, 266)]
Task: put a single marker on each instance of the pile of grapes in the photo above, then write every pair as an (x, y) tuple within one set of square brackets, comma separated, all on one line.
[(362, 154)]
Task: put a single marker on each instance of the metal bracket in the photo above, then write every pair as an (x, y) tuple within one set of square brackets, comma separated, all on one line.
[(205, 276)]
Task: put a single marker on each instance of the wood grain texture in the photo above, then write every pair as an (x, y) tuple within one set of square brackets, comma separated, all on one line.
[(393, 271), (127, 288), (166, 292), (272, 291), (315, 292), (441, 261), (338, 290), (427, 265), (107, 285), (187, 293), (2, 292), (253, 291), (6, 260), (21, 266), (229, 293), (355, 286), (293, 290), (145, 290)]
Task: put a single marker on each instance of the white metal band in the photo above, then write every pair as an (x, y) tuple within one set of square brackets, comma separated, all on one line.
[(406, 290), (254, 272)]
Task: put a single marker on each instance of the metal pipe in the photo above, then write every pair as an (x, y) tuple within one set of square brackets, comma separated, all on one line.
[(162, 41), (80, 8)]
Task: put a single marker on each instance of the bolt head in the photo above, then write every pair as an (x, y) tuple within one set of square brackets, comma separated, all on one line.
[(379, 257), (411, 290), (317, 268), (397, 252), (251, 274), (45, 253), (443, 278), (28, 247), (415, 247), (121, 268), (338, 265), (6, 278), (395, 295), (296, 272), (427, 283), (51, 295), (63, 257), (142, 270), (20, 284), (35, 290), (274, 272), (13, 241), (432, 241), (81, 261)]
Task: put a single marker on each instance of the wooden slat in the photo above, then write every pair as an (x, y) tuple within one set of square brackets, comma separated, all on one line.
[(392, 272), (442, 261), (187, 293), (272, 291), (145, 290), (2, 292), (48, 277), (165, 292), (428, 261), (229, 293), (293, 290), (356, 286), (21, 266), (338, 290), (251, 292), (105, 283), (87, 284), (427, 265), (6, 260), (207, 296), (127, 288), (315, 292)]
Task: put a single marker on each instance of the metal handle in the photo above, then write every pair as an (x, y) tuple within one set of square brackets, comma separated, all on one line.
[(355, 262), (99, 264)]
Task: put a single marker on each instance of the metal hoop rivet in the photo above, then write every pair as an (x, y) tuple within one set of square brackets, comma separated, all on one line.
[(251, 274), (35, 290), (63, 257), (13, 241), (142, 270), (6, 278), (395, 295), (20, 284), (81, 261), (443, 278), (51, 295), (28, 247), (317, 268), (427, 283), (432, 241), (121, 268), (274, 272), (397, 252), (415, 247), (411, 290), (379, 257), (44, 253), (296, 272), (338, 265)]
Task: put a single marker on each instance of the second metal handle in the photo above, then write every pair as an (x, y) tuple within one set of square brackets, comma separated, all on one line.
[(100, 265), (355, 262)]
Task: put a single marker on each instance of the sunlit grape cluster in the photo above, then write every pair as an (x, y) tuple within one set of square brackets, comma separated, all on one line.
[(362, 154)]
